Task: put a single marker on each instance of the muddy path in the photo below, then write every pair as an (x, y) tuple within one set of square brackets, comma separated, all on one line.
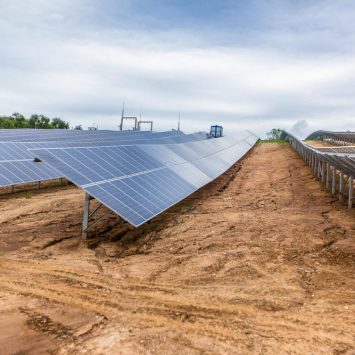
[(260, 261)]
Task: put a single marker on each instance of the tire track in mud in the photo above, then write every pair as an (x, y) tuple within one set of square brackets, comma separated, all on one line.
[(143, 303)]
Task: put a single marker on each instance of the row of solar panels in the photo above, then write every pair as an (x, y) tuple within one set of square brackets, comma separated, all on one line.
[(20, 150), (139, 182), (342, 161), (41, 135), (342, 150), (16, 160), (341, 136)]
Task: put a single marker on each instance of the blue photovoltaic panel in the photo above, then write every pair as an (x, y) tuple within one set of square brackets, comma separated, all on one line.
[(15, 152), (140, 181), (25, 171)]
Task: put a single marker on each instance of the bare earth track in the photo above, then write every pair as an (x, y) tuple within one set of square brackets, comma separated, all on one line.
[(260, 261)]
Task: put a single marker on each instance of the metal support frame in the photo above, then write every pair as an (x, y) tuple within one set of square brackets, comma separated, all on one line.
[(326, 171), (129, 118), (145, 122), (87, 215)]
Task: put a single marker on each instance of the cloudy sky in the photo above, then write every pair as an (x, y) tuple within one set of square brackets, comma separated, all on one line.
[(253, 64)]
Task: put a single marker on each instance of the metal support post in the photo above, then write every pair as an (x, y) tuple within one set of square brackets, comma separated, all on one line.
[(351, 183), (334, 180), (86, 215), (328, 177), (341, 186), (323, 172)]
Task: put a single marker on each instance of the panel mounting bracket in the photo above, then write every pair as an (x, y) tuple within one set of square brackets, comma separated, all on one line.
[(87, 215)]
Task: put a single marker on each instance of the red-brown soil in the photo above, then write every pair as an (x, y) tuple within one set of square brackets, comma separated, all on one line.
[(260, 261)]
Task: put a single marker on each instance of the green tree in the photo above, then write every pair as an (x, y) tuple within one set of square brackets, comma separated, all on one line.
[(59, 123), (16, 120), (19, 120), (40, 121), (7, 122), (274, 134), (78, 127), (33, 121)]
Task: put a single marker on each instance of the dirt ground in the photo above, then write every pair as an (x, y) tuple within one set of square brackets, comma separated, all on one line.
[(324, 144), (261, 261), (320, 143)]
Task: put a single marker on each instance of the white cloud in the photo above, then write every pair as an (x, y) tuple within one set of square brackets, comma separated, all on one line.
[(84, 74)]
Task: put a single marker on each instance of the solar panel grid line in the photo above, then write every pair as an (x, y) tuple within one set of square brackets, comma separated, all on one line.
[(165, 192), (138, 206), (28, 171), (113, 158), (80, 175), (133, 194), (37, 171), (181, 196), (4, 181), (143, 218), (13, 172), (140, 187), (117, 178), (108, 160), (15, 160), (104, 197)]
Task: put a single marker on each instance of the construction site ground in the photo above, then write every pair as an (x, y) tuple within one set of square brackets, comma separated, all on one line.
[(259, 261)]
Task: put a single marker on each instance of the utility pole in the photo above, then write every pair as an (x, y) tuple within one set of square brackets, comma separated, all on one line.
[(122, 115)]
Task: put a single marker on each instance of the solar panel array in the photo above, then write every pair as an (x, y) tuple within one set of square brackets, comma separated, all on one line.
[(16, 160), (342, 158), (139, 181)]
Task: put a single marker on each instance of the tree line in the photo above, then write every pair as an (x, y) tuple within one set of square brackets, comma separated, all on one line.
[(16, 120)]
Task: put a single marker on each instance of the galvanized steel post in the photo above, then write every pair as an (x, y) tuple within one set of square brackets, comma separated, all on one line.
[(351, 183), (86, 215), (334, 180), (341, 185)]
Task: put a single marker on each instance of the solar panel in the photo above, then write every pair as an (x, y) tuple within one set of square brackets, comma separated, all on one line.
[(10, 152), (140, 181), (25, 171)]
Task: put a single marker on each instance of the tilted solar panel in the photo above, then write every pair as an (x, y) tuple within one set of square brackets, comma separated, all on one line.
[(25, 171), (140, 181), (19, 151)]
